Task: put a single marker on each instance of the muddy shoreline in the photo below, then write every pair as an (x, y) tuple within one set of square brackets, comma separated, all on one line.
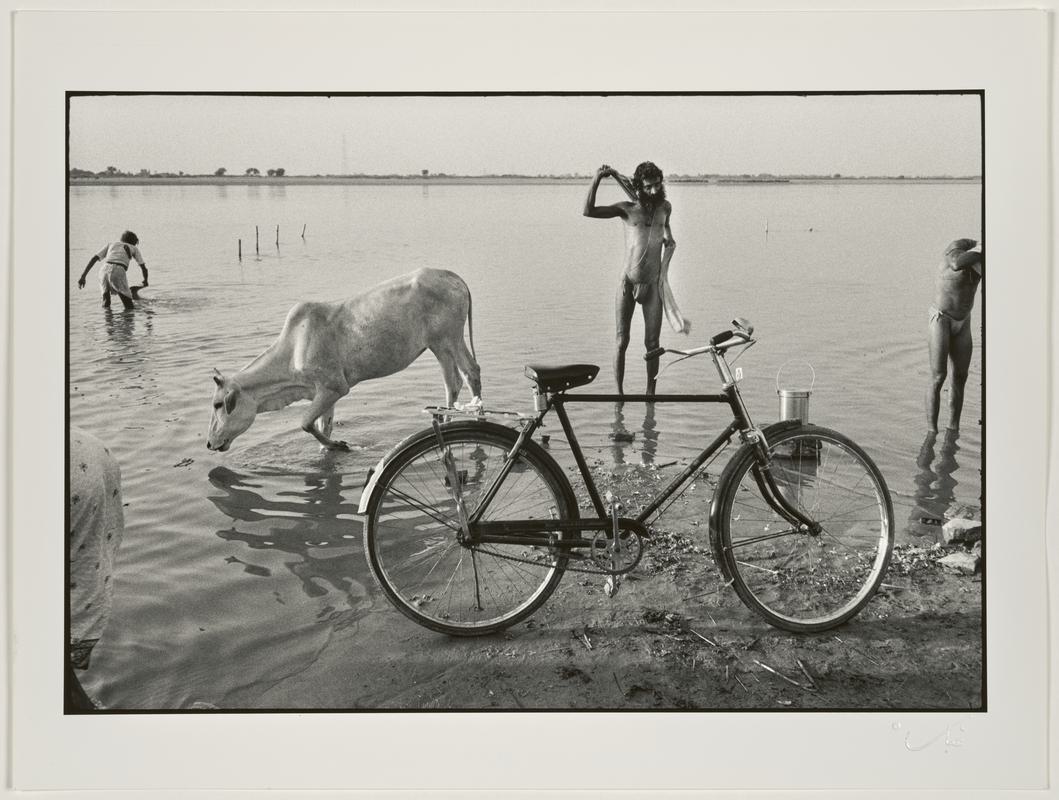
[(672, 638)]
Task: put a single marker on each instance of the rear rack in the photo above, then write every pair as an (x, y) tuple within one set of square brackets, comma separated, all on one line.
[(476, 413)]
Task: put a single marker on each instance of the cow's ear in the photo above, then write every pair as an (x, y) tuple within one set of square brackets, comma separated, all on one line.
[(217, 377), (229, 401)]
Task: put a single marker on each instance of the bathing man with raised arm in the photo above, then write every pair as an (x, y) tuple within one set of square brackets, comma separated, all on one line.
[(647, 232), (949, 326)]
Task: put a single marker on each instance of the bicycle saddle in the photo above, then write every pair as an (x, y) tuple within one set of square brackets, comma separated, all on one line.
[(559, 379)]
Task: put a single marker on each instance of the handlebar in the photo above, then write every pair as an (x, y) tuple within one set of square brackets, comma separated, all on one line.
[(718, 343)]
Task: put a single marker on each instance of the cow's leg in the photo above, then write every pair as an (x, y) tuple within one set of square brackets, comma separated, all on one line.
[(322, 404), (325, 423), (469, 370), (451, 376)]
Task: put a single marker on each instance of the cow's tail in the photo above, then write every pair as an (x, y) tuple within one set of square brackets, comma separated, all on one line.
[(470, 322)]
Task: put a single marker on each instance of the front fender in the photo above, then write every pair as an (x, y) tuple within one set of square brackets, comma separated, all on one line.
[(769, 432)]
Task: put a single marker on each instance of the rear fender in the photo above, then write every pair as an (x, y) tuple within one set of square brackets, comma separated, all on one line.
[(427, 433)]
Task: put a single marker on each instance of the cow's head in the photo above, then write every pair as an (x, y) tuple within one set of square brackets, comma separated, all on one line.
[(233, 412)]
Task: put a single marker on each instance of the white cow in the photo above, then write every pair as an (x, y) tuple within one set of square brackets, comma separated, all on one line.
[(325, 349)]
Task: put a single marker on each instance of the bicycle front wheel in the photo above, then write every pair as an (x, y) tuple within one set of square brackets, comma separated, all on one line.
[(410, 536), (799, 581)]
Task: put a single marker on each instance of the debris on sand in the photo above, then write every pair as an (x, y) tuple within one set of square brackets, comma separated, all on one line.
[(779, 674), (961, 562), (961, 531)]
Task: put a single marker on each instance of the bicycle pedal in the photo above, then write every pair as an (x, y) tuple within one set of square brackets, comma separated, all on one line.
[(611, 585)]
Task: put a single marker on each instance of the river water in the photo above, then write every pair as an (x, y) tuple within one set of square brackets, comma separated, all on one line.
[(235, 567)]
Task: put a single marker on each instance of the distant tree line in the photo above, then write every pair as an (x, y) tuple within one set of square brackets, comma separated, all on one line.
[(424, 174), (115, 172)]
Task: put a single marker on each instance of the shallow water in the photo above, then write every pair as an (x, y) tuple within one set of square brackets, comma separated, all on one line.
[(236, 568)]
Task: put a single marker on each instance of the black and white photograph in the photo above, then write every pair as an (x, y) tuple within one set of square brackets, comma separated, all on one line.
[(620, 390), (705, 402)]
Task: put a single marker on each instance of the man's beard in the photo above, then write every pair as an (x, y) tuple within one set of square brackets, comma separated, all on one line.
[(651, 201)]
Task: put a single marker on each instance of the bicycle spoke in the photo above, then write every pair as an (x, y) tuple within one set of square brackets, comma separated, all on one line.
[(425, 509), (757, 539), (809, 581), (414, 552)]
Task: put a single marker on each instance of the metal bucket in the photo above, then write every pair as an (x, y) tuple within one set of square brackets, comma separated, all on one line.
[(794, 404)]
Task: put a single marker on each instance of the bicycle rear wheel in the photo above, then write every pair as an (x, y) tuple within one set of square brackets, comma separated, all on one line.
[(798, 581), (410, 536)]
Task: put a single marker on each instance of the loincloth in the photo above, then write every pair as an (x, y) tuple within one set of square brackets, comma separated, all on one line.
[(642, 293), (955, 325)]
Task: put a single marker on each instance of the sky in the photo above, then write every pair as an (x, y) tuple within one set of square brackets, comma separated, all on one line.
[(541, 135)]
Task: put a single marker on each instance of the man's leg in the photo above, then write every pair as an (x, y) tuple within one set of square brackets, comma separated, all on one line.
[(623, 308), (125, 301), (960, 348), (652, 326), (938, 345)]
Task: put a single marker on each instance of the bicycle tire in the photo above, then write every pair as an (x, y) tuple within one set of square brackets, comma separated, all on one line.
[(800, 582), (411, 525)]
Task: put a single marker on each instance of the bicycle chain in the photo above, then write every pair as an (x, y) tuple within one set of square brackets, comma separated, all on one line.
[(585, 570)]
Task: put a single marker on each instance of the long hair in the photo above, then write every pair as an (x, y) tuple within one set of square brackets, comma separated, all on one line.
[(648, 169)]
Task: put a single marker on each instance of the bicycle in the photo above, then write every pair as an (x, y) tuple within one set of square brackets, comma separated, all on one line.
[(470, 524)]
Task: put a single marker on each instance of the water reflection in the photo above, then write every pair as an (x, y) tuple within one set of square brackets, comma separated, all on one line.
[(623, 439), (935, 486), (121, 323), (312, 524), (650, 435)]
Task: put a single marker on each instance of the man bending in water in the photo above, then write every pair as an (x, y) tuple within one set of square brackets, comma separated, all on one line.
[(949, 326), (115, 257), (647, 231)]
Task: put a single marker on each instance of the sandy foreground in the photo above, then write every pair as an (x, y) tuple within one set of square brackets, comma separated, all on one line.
[(673, 637)]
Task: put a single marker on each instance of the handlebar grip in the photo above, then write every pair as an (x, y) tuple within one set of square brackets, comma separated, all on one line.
[(653, 353), (723, 336)]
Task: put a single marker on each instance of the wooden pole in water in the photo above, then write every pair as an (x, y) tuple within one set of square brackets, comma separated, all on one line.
[(240, 249), (303, 229), (277, 236), (257, 241)]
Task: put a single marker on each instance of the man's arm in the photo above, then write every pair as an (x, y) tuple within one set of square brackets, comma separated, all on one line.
[(142, 263), (626, 186), (961, 256), (91, 263), (669, 245), (601, 212), (972, 259), (667, 236)]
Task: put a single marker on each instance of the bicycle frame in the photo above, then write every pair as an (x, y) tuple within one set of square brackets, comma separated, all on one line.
[(522, 531)]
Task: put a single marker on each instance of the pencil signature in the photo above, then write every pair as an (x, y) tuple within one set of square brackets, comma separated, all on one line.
[(948, 737)]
